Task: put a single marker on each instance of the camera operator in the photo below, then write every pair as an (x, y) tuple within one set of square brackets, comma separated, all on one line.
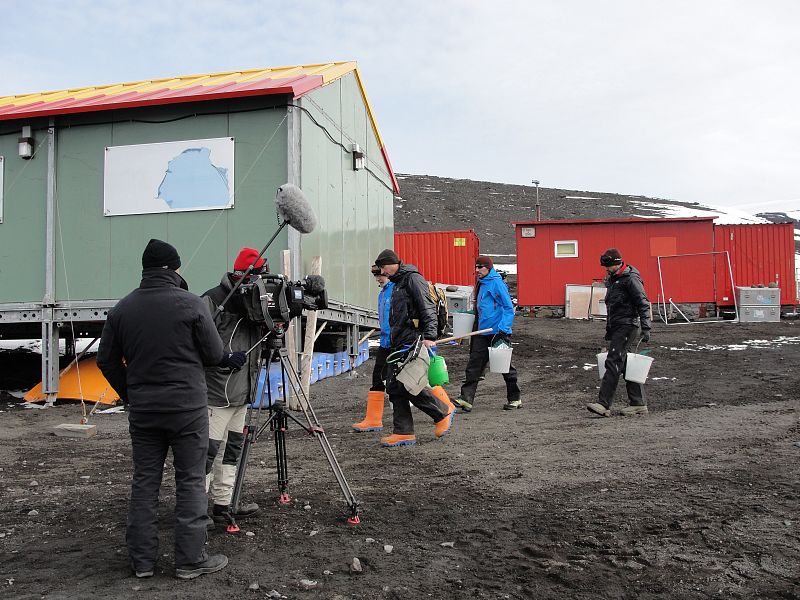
[(155, 343), (229, 392)]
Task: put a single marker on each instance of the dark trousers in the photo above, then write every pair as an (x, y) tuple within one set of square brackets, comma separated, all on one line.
[(152, 435), (478, 359), (402, 420), (622, 338), (379, 370)]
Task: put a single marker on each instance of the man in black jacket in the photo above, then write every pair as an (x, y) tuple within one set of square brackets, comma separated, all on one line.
[(412, 315), (628, 317), (155, 343), (229, 392)]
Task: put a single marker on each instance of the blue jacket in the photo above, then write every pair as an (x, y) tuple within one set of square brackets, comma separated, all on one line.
[(384, 308), (494, 306)]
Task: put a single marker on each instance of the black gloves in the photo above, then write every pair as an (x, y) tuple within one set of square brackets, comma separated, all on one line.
[(501, 336), (233, 360), (645, 335)]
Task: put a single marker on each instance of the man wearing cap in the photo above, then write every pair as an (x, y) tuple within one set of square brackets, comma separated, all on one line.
[(229, 392), (373, 421), (412, 315), (154, 346), (495, 311), (628, 314)]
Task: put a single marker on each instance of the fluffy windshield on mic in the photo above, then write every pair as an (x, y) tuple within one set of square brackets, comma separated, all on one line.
[(293, 207)]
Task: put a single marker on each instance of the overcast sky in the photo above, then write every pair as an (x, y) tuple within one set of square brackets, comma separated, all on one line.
[(688, 100)]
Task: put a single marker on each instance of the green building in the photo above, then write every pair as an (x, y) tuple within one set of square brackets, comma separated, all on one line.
[(88, 176)]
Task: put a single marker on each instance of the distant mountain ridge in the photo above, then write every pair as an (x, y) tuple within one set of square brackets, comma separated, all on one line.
[(429, 203)]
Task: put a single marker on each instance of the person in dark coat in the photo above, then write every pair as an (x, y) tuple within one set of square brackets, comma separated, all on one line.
[(628, 321), (230, 391), (412, 314), (154, 346), (495, 311)]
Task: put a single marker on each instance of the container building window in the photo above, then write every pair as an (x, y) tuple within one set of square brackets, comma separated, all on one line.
[(566, 249)]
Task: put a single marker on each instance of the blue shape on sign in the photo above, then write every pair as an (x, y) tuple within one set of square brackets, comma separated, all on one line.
[(193, 181)]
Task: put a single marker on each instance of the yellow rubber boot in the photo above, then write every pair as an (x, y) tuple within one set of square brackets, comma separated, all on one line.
[(373, 421)]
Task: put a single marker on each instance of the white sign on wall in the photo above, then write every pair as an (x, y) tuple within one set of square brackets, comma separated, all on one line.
[(168, 177)]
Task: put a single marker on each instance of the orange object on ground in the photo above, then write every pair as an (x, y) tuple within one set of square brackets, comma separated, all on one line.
[(373, 421), (398, 440), (76, 382)]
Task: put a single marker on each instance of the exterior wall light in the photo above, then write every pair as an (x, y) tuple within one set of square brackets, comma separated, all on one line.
[(25, 143), (358, 157)]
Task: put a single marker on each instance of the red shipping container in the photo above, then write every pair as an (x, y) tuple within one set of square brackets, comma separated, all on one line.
[(441, 256), (759, 254)]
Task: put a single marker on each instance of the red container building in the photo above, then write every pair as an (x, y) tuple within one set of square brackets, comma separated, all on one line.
[(760, 254), (441, 256), (552, 254)]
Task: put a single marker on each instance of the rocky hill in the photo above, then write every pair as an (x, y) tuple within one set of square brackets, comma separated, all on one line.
[(428, 203)]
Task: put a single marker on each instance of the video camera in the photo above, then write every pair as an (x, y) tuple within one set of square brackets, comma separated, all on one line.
[(271, 299)]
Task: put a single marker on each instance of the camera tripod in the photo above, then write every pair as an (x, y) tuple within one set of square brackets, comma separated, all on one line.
[(278, 422)]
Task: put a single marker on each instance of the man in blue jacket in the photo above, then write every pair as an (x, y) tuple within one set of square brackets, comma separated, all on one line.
[(495, 311), (373, 421)]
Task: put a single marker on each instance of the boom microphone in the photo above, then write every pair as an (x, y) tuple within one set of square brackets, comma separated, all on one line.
[(293, 208)]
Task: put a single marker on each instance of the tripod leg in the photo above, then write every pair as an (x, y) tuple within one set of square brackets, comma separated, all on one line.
[(316, 429), (279, 432)]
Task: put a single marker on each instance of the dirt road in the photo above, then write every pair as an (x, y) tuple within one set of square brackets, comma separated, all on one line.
[(698, 500)]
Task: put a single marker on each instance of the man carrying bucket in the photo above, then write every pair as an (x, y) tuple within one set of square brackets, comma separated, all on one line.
[(412, 317), (628, 311), (495, 311)]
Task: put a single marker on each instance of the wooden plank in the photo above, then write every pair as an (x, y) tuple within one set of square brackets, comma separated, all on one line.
[(75, 430), (311, 330), (292, 402)]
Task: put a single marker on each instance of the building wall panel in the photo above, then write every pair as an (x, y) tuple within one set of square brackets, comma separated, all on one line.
[(24, 206), (542, 276)]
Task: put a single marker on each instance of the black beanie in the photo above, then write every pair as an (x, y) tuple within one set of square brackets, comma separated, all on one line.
[(387, 257), (160, 254)]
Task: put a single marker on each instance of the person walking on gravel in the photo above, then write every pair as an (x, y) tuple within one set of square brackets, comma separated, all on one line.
[(412, 314), (628, 321), (373, 421), (495, 311), (153, 348)]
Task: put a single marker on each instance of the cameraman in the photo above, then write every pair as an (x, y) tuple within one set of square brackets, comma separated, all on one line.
[(230, 391)]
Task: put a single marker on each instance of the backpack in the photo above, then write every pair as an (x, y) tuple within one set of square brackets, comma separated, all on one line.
[(442, 314), (440, 301)]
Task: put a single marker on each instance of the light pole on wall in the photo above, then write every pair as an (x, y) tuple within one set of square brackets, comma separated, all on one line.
[(538, 207)]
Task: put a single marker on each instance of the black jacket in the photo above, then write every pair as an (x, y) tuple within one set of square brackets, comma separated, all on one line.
[(155, 343), (626, 301), (239, 334), (412, 312)]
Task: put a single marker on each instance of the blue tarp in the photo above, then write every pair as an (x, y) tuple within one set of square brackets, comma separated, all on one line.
[(323, 365)]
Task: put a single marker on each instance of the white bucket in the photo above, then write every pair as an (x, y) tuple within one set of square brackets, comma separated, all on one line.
[(601, 363), (462, 323), (637, 367), (500, 358)]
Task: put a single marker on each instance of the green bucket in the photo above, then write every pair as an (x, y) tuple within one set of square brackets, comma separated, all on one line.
[(437, 371)]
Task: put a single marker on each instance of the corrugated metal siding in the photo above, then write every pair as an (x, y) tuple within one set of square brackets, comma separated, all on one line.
[(541, 277), (441, 256), (759, 255)]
